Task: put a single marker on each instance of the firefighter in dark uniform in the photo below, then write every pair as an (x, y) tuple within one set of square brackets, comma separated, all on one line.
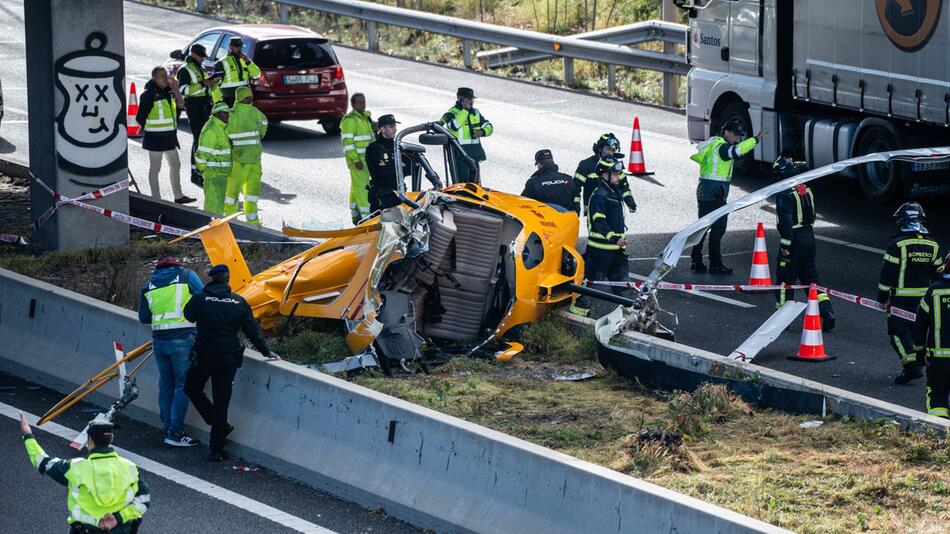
[(796, 259), (911, 263), (219, 315), (932, 341), (551, 186), (382, 166), (606, 255), (587, 177)]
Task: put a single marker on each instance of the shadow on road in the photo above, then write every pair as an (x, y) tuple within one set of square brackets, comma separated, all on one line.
[(6, 147)]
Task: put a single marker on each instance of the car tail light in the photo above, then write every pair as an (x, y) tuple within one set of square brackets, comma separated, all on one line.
[(338, 76)]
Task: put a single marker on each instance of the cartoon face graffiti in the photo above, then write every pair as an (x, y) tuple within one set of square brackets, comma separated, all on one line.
[(90, 133)]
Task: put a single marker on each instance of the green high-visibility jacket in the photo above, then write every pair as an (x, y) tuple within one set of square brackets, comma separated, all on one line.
[(102, 483), (213, 154), (462, 123), (246, 128), (190, 76), (167, 303), (233, 72), (163, 116), (716, 161), (356, 133)]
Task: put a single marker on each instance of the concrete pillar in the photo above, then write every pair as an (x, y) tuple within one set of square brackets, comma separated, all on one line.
[(569, 72), (671, 82), (200, 6), (467, 53), (372, 38), (611, 78), (75, 58), (282, 10)]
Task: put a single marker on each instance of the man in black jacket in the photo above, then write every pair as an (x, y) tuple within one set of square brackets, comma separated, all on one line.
[(158, 115), (551, 186), (195, 87), (587, 177), (380, 159), (219, 315)]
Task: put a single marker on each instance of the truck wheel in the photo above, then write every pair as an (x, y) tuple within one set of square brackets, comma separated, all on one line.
[(880, 182), (331, 126), (745, 165)]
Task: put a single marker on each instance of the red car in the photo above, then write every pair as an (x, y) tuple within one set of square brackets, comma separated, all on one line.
[(301, 78)]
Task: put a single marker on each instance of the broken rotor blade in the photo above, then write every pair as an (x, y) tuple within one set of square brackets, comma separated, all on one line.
[(213, 223), (328, 234)]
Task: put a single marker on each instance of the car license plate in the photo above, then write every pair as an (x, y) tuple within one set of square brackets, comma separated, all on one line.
[(926, 166), (298, 79)]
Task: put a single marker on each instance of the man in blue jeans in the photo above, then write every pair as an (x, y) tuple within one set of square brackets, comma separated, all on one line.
[(162, 305)]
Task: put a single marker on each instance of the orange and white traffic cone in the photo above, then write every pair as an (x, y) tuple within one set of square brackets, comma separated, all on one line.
[(133, 128), (636, 165), (812, 346), (760, 275)]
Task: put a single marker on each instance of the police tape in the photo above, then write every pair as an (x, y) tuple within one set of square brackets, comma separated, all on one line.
[(744, 288)]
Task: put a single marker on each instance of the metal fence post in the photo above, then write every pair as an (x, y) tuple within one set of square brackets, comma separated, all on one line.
[(282, 10), (611, 78), (569, 72), (467, 53), (372, 38), (200, 6), (671, 82)]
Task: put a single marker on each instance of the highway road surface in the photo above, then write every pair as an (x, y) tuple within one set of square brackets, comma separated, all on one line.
[(306, 184)]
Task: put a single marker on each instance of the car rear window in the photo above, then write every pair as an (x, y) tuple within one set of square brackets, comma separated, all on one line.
[(294, 54)]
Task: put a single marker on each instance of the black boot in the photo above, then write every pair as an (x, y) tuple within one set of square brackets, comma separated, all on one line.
[(698, 266), (910, 372), (828, 322)]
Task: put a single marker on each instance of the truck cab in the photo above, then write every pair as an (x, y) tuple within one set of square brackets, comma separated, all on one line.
[(829, 80)]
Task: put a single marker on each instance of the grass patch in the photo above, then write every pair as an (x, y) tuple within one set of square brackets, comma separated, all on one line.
[(311, 341), (551, 339), (566, 17)]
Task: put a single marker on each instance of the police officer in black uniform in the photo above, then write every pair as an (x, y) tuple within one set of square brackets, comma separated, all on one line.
[(195, 87), (796, 259), (382, 166), (551, 186), (606, 255), (587, 176), (220, 315), (932, 341), (911, 263)]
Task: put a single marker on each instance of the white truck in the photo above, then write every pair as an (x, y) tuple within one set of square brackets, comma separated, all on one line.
[(829, 79)]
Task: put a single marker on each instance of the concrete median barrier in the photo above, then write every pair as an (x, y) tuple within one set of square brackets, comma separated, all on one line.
[(427, 468)]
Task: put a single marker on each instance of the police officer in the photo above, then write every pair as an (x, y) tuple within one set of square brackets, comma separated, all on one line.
[(357, 131), (233, 70), (911, 263), (106, 493), (932, 341), (220, 315), (716, 157), (606, 255), (196, 90), (586, 175), (380, 158), (796, 259), (468, 126), (551, 186)]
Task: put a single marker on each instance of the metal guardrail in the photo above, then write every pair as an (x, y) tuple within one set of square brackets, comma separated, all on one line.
[(627, 35), (568, 48)]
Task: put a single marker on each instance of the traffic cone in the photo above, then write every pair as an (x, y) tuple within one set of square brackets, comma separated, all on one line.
[(760, 261), (132, 126), (812, 346), (636, 164)]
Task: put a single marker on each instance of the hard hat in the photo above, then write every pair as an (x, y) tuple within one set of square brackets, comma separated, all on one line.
[(609, 164), (785, 167), (242, 92), (608, 139), (910, 217), (735, 126)]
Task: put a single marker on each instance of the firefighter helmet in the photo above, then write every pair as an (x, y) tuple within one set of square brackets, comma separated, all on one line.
[(910, 217)]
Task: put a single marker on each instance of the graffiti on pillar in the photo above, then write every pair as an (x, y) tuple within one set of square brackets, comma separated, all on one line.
[(90, 128)]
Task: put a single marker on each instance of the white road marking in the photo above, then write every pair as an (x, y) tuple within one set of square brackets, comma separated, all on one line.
[(710, 296), (857, 246), (214, 491)]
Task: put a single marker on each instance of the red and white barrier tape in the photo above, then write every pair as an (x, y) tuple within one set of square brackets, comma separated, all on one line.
[(856, 299)]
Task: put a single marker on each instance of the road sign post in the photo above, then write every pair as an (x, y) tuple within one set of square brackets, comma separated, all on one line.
[(75, 56)]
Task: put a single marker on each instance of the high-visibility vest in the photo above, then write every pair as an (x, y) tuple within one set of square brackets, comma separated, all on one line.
[(711, 166), (162, 117), (356, 133), (237, 72), (462, 122), (167, 303), (246, 128), (100, 484), (196, 76), (214, 148)]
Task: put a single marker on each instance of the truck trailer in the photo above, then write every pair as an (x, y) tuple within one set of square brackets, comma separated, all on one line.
[(829, 79)]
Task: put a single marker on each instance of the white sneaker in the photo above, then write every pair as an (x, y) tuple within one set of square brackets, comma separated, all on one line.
[(180, 440)]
